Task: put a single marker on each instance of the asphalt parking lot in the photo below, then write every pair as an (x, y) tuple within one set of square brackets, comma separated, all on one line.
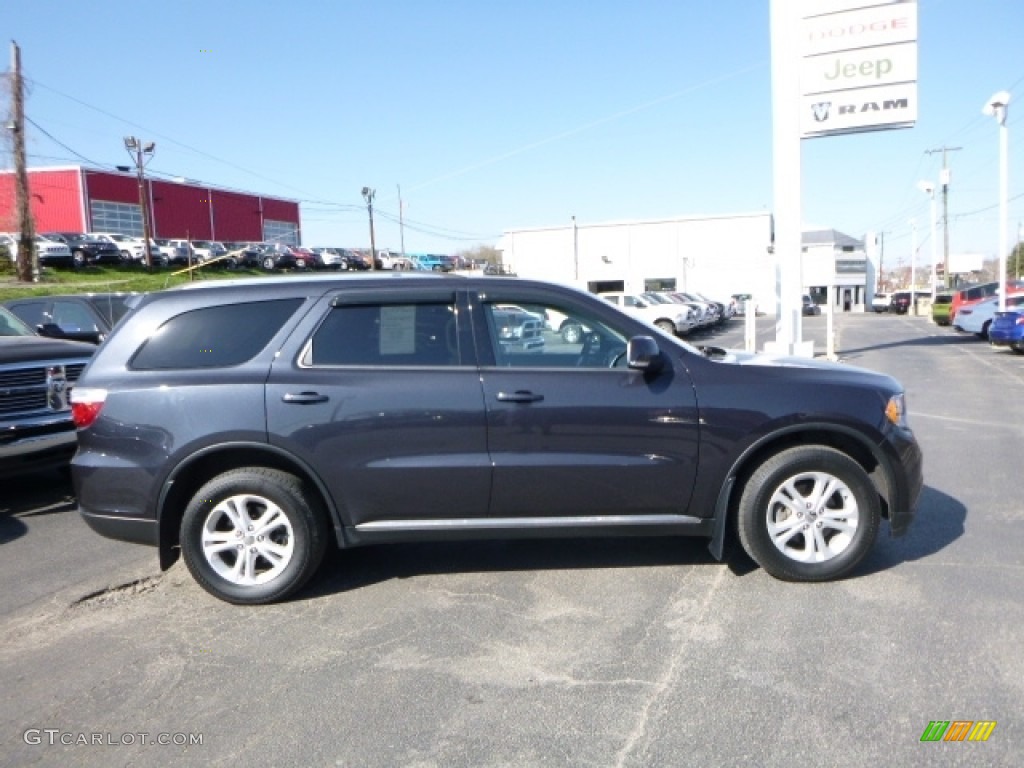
[(635, 652)]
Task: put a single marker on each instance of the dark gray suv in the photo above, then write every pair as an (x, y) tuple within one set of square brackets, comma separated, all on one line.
[(250, 423)]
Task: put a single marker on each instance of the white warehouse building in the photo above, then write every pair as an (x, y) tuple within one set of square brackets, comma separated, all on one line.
[(715, 255)]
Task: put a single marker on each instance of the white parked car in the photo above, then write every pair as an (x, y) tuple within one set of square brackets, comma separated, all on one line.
[(174, 254), (49, 252), (977, 318), (676, 319)]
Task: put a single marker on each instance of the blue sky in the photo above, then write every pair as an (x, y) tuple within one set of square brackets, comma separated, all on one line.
[(495, 116)]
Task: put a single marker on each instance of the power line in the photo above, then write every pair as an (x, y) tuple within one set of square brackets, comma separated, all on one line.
[(59, 143)]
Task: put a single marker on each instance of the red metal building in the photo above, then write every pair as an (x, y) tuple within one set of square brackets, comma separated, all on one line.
[(80, 199)]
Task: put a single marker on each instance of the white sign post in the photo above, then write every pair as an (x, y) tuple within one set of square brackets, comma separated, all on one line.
[(838, 66)]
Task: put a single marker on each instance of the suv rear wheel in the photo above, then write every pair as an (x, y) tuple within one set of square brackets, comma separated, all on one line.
[(253, 535), (808, 514)]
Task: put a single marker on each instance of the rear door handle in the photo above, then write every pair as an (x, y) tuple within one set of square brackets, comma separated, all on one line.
[(304, 398), (519, 396)]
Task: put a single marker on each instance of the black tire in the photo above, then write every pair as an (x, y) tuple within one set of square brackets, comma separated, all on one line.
[(268, 263), (984, 330), (852, 506), (78, 259), (296, 533), (572, 333), (667, 326)]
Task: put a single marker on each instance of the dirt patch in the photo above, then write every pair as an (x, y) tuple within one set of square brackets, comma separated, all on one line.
[(117, 594)]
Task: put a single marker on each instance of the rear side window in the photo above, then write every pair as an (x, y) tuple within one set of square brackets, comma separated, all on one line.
[(214, 337), (386, 335)]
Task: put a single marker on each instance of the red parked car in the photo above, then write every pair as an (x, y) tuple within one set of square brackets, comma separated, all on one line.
[(972, 294), (305, 258)]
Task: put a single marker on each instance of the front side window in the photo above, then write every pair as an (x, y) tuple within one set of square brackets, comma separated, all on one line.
[(387, 335), (72, 317), (551, 335), (214, 337)]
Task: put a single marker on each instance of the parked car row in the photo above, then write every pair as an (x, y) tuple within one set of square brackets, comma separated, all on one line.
[(78, 317), (675, 312), (975, 309)]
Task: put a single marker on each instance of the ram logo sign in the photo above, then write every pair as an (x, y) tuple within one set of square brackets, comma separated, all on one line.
[(860, 110)]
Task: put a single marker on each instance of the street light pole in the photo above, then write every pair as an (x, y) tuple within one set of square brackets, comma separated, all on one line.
[(996, 107), (368, 195), (929, 189), (912, 307), (139, 153)]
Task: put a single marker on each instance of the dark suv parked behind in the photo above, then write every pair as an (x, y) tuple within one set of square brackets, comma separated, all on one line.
[(251, 422), (79, 317), (36, 376), (86, 250)]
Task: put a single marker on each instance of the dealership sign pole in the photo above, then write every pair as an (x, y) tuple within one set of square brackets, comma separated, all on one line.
[(838, 66)]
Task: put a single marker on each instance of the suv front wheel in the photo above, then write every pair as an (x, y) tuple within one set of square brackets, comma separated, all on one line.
[(253, 535), (809, 513)]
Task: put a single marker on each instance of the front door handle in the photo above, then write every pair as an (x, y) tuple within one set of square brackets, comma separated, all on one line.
[(304, 398), (519, 396)]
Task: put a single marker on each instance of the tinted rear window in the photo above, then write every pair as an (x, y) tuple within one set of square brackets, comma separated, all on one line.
[(214, 337), (943, 299)]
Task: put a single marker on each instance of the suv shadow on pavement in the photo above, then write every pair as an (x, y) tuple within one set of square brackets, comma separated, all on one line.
[(944, 522), (945, 340), (31, 494), (351, 569), (940, 521)]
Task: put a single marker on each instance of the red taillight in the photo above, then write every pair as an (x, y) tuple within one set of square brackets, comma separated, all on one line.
[(86, 405), (1020, 320)]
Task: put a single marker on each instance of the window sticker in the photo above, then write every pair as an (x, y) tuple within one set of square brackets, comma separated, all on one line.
[(398, 330)]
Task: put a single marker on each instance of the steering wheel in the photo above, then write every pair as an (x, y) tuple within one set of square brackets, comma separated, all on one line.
[(616, 357)]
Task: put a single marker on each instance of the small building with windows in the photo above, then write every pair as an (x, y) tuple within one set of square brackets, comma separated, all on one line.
[(81, 199), (830, 258)]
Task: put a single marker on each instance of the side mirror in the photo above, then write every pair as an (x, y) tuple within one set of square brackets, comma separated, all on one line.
[(51, 330), (643, 354)]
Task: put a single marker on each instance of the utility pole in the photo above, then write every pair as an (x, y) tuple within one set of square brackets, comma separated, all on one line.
[(401, 223), (368, 195), (944, 180), (28, 265), (139, 152), (881, 256)]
